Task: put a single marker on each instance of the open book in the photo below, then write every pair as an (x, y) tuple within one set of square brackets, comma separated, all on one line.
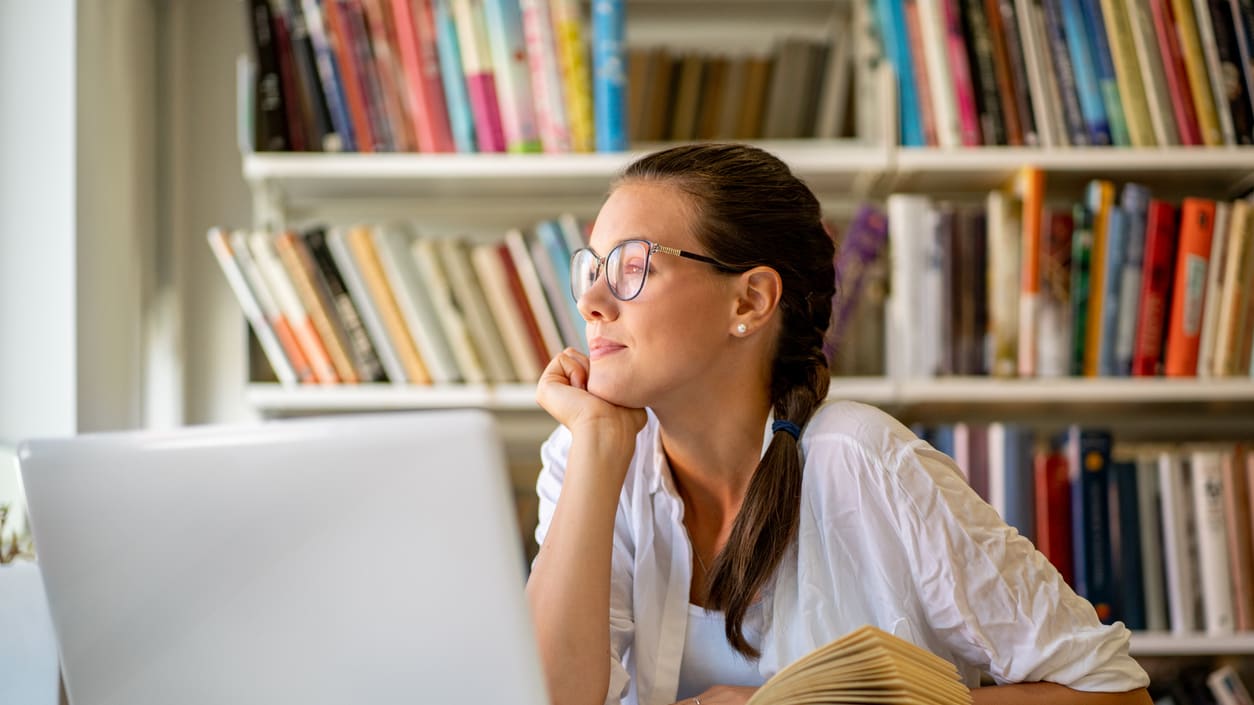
[(866, 665)]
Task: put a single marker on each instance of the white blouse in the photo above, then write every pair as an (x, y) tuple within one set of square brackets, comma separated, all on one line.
[(889, 534)]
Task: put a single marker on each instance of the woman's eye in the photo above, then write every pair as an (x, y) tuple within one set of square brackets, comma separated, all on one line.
[(634, 266)]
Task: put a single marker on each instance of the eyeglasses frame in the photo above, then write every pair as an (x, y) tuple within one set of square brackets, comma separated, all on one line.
[(654, 248)]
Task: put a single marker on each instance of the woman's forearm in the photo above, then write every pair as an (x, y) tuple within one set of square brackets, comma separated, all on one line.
[(1053, 694), (569, 587)]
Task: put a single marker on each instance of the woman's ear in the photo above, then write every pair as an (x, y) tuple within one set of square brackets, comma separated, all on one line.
[(757, 296)]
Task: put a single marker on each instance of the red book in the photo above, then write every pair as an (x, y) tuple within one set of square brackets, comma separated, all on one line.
[(1156, 275), (1177, 75), (1053, 510), (1188, 293), (415, 32), (351, 76), (522, 307)]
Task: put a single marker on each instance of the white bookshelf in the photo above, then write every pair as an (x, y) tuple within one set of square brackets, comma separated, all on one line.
[(1168, 644), (1185, 394)]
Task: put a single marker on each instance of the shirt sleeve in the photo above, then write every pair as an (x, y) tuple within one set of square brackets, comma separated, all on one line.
[(989, 594), (622, 624)]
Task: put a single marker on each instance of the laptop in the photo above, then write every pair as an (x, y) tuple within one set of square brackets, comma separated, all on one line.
[(359, 559)]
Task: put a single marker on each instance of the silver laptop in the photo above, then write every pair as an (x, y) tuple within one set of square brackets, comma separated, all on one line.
[(362, 559)]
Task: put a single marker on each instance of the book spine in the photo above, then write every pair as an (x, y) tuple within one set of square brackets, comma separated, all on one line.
[(414, 299), (263, 252), (329, 73), (534, 291), (1043, 88), (1054, 314), (461, 118), (293, 98), (983, 72), (270, 119), (1115, 253), (509, 63), (270, 345), (358, 338), (448, 316), (1134, 204), (546, 82), (381, 38), (352, 81), (1231, 83), (1197, 220), (1004, 284), (1177, 75), (1107, 83), (416, 36), (1156, 277), (372, 317), (572, 55), (1128, 72), (1017, 60), (360, 45), (1218, 264), (1214, 70), (1150, 60), (1088, 86), (553, 246), (270, 307), (1065, 72), (298, 267), (480, 74), (1195, 65), (933, 46), (468, 297), (1053, 510), (1179, 542), (1208, 492), (1243, 31), (1149, 502), (1081, 269), (1099, 200), (609, 75), (1125, 521), (892, 26), (522, 303), (922, 80), (1030, 188), (1236, 498), (1234, 297), (500, 303), (1088, 460), (324, 136), (361, 245)]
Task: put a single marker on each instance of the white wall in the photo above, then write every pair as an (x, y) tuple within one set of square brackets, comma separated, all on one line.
[(38, 356)]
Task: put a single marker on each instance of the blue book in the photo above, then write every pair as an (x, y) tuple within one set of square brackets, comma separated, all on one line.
[(890, 15), (454, 79), (1086, 85), (1134, 202), (1107, 84), (1057, 38), (329, 75), (1125, 526), (549, 233), (1018, 483), (513, 81), (1116, 237), (609, 75), (1088, 462), (942, 439)]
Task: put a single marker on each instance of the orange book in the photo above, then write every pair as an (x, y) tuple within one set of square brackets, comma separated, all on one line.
[(299, 265), (262, 247), (1029, 187), (362, 247), (270, 308), (1188, 293), (351, 76), (1099, 199)]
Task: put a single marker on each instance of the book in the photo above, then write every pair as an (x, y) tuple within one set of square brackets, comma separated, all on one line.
[(1227, 688), (1099, 199), (546, 76), (481, 79), (1177, 76), (609, 75), (1029, 188), (414, 301), (1179, 542), (469, 297), (361, 347), (866, 665), (270, 345), (456, 99), (420, 63), (506, 312), (572, 60), (262, 248), (1052, 493), (1236, 498), (1153, 72), (1191, 51), (1158, 268), (1214, 290), (1234, 302), (451, 320), (1053, 334), (270, 308), (294, 257), (1088, 467), (1197, 220), (372, 317), (1125, 539), (1208, 508), (359, 242), (1134, 203), (891, 21), (513, 81), (1149, 502)]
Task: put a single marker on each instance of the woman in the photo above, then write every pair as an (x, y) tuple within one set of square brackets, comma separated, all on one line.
[(739, 522)]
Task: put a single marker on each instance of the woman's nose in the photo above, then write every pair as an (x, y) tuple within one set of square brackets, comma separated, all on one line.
[(598, 302)]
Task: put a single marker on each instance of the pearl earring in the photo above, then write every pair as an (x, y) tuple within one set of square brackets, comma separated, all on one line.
[(742, 329)]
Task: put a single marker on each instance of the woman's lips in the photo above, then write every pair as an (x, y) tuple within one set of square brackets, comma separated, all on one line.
[(599, 348)]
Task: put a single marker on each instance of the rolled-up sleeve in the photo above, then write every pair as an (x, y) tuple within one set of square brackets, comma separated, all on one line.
[(989, 594), (553, 456)]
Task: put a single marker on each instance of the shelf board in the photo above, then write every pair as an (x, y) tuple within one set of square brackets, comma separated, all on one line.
[(826, 165), (1197, 170), (958, 392), (1199, 644)]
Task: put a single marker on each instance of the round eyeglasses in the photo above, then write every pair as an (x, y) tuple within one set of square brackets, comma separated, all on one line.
[(626, 267)]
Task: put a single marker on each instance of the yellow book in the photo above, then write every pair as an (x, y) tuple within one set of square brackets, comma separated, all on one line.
[(576, 79), (1099, 199), (361, 245), (866, 665), (1195, 65), (1128, 74)]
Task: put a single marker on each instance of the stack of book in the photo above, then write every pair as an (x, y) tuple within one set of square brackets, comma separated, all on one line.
[(1056, 73), (1157, 536), (1133, 286), (434, 76)]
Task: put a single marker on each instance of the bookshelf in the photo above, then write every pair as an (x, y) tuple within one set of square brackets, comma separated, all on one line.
[(481, 194)]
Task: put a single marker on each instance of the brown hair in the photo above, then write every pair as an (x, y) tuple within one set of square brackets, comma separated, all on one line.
[(752, 211)]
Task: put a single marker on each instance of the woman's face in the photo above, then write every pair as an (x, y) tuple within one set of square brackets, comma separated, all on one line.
[(667, 341)]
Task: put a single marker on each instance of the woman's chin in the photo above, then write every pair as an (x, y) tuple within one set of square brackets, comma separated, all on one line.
[(612, 390)]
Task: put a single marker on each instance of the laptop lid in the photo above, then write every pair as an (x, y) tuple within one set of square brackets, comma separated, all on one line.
[(371, 558)]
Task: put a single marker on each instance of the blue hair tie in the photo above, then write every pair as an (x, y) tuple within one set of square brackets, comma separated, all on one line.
[(788, 426)]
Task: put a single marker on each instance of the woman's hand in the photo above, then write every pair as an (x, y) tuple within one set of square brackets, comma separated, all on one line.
[(563, 392), (721, 695)]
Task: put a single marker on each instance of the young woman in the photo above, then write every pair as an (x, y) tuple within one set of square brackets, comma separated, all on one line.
[(705, 519)]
